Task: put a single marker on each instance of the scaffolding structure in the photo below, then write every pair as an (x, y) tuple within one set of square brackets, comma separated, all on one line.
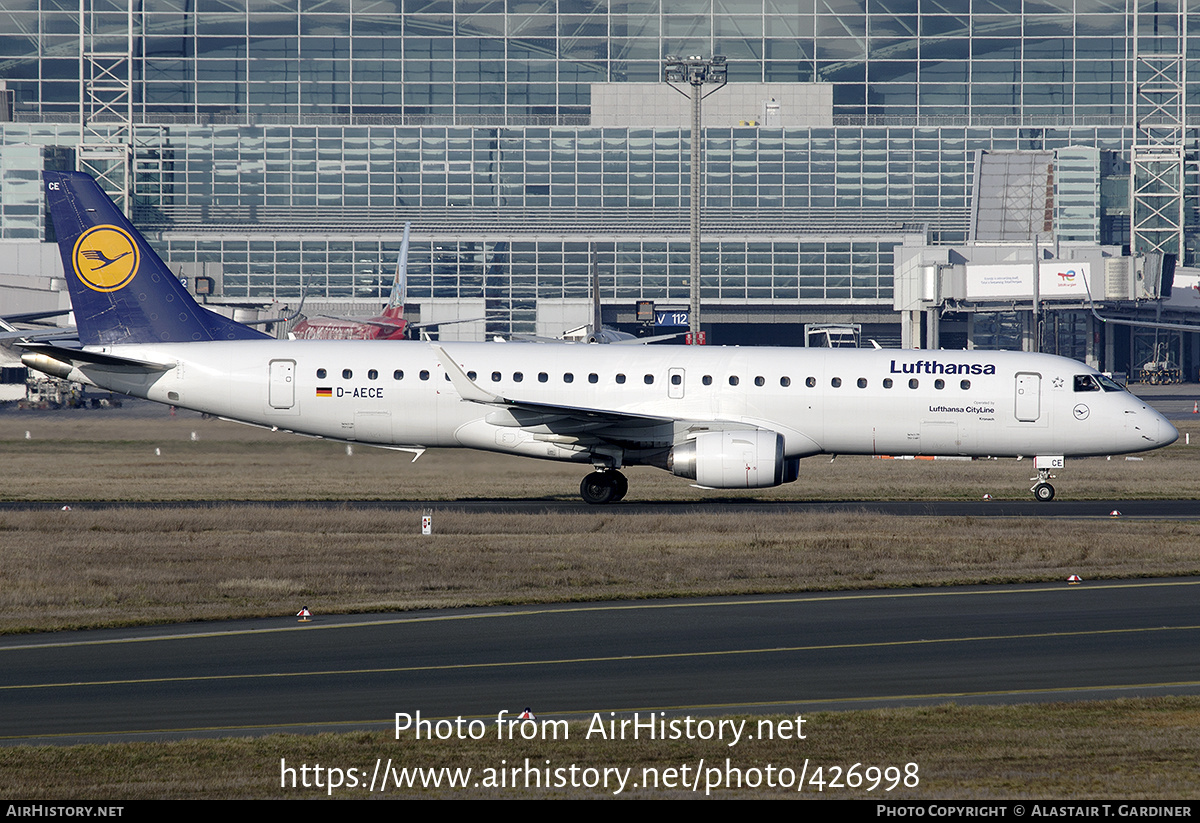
[(106, 96), (1156, 177)]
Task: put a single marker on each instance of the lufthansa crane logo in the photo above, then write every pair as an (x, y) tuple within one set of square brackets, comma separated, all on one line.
[(106, 258)]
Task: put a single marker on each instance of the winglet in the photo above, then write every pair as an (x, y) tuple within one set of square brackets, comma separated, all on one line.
[(465, 386)]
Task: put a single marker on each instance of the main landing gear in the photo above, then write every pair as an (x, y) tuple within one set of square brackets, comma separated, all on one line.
[(604, 486)]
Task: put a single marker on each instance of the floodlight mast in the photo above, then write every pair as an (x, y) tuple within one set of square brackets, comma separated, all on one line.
[(695, 71)]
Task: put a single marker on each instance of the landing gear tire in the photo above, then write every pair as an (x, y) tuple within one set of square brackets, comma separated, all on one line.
[(622, 484), (603, 487), (1043, 492)]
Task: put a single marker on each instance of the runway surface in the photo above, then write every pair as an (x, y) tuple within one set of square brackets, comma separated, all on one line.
[(784, 653)]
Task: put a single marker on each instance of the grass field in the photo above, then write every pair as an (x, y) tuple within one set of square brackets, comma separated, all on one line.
[(83, 569), (1123, 749), (86, 568)]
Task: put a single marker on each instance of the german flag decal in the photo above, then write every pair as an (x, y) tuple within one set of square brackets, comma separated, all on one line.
[(324, 391)]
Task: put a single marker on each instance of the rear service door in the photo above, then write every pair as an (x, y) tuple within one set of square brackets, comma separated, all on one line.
[(282, 390)]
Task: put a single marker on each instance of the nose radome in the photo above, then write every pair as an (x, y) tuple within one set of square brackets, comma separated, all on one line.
[(1165, 432)]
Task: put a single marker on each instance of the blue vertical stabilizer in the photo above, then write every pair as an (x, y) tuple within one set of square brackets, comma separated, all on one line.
[(121, 291)]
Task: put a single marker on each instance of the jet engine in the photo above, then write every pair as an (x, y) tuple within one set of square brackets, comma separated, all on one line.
[(734, 460)]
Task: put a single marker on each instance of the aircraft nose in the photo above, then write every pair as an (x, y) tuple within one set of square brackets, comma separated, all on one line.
[(1165, 430), (1147, 427)]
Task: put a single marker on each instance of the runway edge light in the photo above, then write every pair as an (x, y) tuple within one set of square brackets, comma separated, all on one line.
[(304, 614), (1074, 579), (1114, 513)]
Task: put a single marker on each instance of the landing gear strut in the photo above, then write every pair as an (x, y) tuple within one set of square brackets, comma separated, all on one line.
[(605, 486)]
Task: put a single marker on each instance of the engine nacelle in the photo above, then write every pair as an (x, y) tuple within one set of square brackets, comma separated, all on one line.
[(734, 460)]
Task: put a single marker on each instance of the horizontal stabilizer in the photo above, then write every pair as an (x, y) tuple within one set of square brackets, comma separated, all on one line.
[(79, 357)]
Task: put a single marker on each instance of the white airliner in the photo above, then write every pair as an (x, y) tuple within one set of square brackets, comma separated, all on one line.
[(723, 417)]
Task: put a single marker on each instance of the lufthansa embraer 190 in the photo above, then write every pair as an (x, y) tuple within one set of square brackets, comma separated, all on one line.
[(722, 417)]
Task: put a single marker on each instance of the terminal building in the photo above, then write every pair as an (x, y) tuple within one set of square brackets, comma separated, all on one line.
[(902, 168)]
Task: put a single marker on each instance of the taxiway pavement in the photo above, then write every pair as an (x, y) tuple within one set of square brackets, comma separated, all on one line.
[(787, 653)]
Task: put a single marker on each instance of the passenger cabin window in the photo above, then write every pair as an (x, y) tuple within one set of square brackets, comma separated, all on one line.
[(543, 377), (495, 377), (733, 381), (887, 383), (706, 379), (518, 377), (620, 378), (592, 378), (811, 382), (964, 385), (912, 384), (398, 374), (373, 374), (1084, 382), (862, 382), (321, 374), (836, 382), (424, 375), (471, 376), (676, 380), (347, 374), (760, 381), (568, 378), (939, 384), (648, 379), (785, 381)]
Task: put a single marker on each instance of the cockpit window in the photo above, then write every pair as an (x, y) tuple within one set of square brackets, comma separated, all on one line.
[(1108, 384), (1086, 382)]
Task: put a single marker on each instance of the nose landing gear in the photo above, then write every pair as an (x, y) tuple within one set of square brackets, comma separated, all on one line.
[(1042, 490)]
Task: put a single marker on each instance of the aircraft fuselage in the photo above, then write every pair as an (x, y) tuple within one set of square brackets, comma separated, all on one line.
[(897, 402)]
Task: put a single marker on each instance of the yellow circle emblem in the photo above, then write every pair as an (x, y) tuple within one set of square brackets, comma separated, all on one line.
[(106, 258)]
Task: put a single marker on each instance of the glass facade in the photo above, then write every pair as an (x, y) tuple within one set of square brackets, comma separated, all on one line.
[(1038, 62), (289, 140)]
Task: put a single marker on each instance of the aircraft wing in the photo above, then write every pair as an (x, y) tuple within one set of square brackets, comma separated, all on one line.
[(64, 333), (30, 317), (432, 324), (639, 341), (472, 391), (381, 322), (9, 332)]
